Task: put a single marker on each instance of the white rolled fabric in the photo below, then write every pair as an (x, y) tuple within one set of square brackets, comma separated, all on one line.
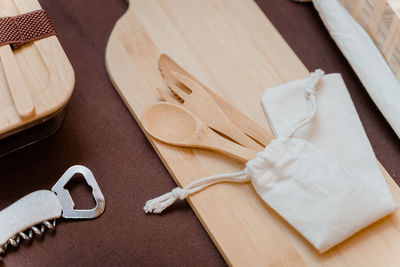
[(364, 57)]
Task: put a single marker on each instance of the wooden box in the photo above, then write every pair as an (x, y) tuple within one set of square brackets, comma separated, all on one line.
[(44, 80)]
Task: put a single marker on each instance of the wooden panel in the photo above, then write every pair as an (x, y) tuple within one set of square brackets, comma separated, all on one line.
[(46, 70), (231, 47)]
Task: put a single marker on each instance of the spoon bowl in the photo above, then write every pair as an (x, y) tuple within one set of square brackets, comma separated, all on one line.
[(169, 123), (175, 125)]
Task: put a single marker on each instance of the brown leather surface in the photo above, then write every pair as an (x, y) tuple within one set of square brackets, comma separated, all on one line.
[(100, 133)]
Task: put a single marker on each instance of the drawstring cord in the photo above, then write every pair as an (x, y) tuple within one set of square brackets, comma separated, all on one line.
[(309, 94), (157, 205)]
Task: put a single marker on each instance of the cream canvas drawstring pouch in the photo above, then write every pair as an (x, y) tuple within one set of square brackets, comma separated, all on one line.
[(296, 177)]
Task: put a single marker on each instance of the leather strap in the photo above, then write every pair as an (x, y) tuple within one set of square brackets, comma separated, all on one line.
[(21, 29)]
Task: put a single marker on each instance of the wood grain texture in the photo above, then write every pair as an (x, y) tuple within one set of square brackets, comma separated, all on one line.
[(12, 72), (232, 48), (46, 71)]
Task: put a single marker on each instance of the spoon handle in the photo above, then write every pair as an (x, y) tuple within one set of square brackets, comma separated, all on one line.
[(215, 142)]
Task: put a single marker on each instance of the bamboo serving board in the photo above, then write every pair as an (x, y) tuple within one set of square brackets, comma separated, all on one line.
[(381, 19), (40, 65), (231, 47)]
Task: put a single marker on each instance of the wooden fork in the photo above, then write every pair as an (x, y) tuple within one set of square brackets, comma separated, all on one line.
[(168, 68), (201, 104)]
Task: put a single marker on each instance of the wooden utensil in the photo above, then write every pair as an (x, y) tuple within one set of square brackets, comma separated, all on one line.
[(195, 99), (167, 67), (175, 125), (232, 47)]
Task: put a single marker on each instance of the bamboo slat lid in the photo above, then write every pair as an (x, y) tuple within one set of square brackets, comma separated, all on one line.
[(36, 80)]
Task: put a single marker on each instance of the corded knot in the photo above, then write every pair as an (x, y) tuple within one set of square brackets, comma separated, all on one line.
[(309, 94), (179, 193), (157, 205), (312, 82)]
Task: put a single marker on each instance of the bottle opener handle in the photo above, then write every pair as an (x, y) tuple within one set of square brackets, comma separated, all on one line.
[(29, 211), (21, 218)]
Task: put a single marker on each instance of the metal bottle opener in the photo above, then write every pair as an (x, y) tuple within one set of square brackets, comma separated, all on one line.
[(31, 215)]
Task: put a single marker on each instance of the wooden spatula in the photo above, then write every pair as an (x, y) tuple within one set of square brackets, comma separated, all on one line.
[(167, 66)]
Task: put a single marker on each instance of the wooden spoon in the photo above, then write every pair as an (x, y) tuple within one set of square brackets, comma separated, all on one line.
[(175, 125), (167, 67)]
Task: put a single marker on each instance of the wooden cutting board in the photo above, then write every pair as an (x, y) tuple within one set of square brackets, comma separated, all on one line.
[(231, 47)]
